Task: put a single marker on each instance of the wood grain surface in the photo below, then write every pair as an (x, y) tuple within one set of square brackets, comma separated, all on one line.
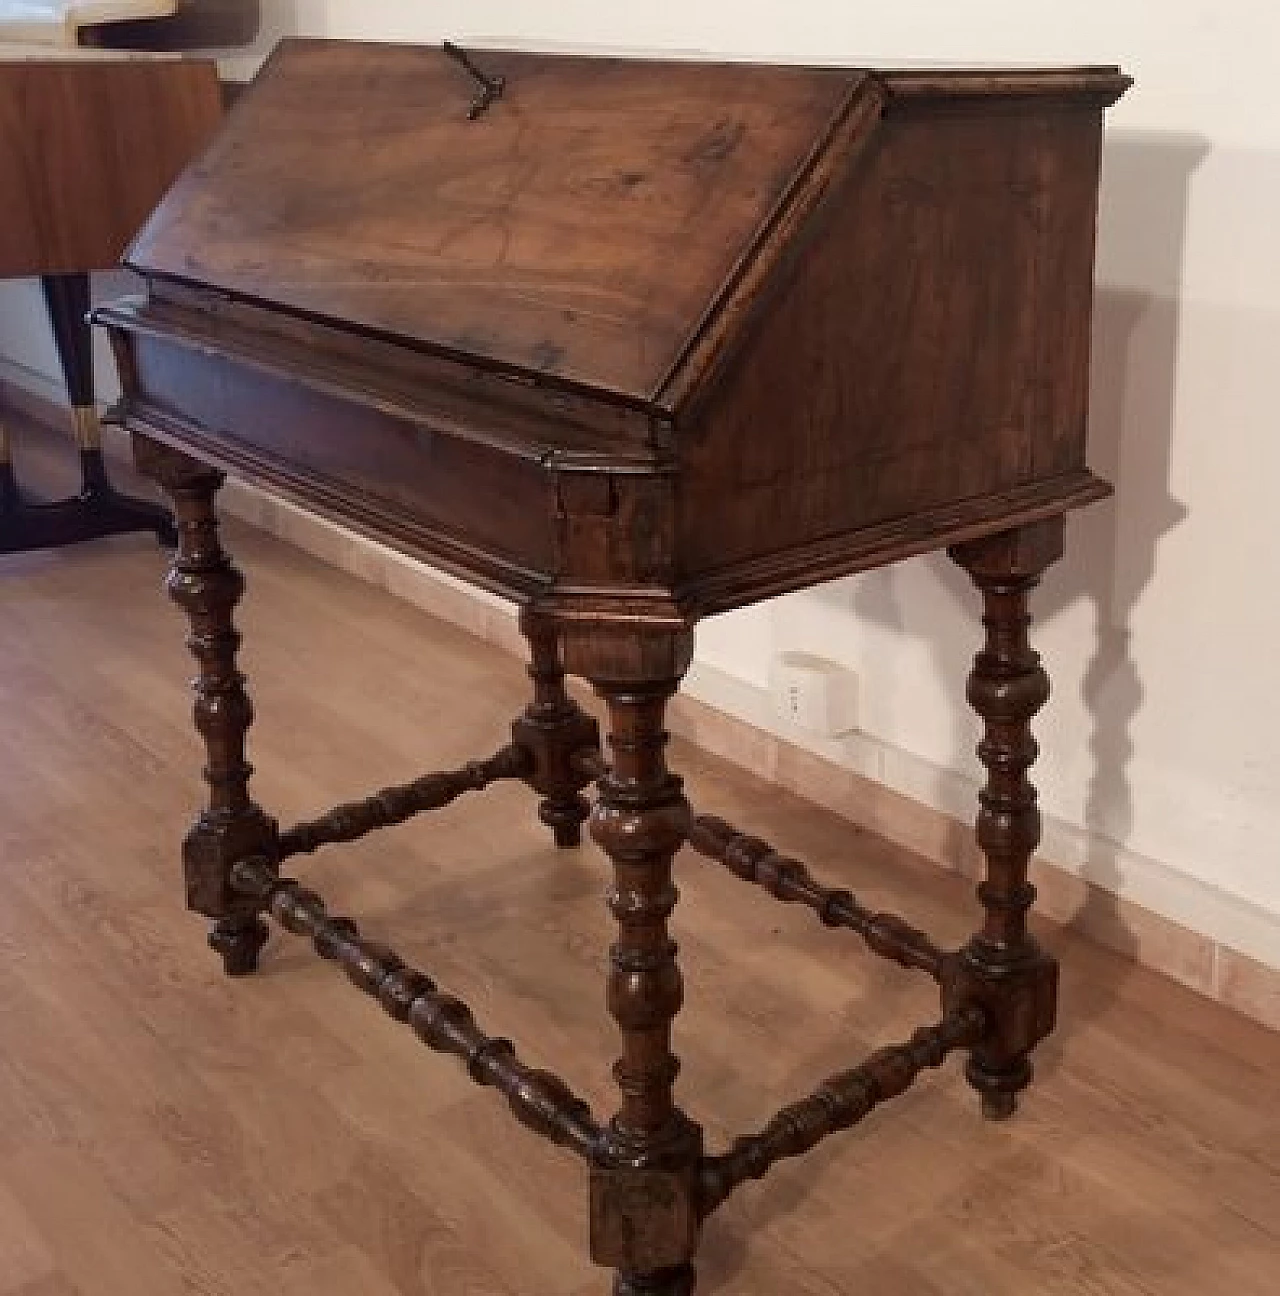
[(350, 184), (87, 148)]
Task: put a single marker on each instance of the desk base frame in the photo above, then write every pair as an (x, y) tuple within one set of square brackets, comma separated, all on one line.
[(652, 1182)]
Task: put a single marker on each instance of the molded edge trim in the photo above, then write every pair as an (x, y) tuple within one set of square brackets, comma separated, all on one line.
[(337, 504), (889, 541), (1097, 87), (705, 353)]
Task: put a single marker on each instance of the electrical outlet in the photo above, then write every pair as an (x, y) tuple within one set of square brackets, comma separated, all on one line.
[(814, 694)]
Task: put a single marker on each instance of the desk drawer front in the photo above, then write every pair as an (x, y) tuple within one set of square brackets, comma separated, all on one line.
[(382, 466)]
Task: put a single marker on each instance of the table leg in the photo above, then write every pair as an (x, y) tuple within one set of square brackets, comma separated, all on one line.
[(644, 1219), (1002, 967), (100, 509), (206, 585), (553, 729)]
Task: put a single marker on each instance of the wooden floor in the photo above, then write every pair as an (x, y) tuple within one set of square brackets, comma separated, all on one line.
[(165, 1131)]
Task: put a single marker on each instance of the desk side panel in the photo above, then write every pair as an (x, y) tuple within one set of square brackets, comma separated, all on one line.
[(928, 345)]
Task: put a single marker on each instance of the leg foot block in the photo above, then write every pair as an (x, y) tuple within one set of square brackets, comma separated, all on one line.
[(999, 1106), (553, 730), (239, 941), (643, 1222), (1020, 1002), (998, 1090), (665, 1282), (565, 819)]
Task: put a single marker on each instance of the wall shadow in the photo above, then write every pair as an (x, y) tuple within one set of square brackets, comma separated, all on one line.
[(1135, 360), (1113, 548)]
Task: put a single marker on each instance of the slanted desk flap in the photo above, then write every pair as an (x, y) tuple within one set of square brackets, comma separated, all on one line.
[(581, 226)]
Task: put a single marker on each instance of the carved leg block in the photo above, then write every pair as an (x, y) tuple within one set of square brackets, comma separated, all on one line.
[(644, 1216), (552, 729), (232, 827), (1020, 1000), (1002, 969), (667, 1282), (643, 1220)]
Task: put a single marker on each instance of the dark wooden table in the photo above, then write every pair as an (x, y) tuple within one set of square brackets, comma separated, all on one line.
[(633, 343)]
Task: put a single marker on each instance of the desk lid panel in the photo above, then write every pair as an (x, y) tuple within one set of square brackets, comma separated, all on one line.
[(581, 227)]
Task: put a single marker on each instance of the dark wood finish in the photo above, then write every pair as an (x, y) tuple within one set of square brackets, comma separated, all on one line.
[(934, 234), (635, 344), (839, 1103), (753, 860), (67, 298), (930, 319), (1003, 968), (644, 1209), (396, 805), (554, 730), (540, 1101), (232, 827), (87, 147), (490, 87), (444, 242)]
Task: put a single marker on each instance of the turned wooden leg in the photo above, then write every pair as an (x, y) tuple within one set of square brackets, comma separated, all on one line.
[(205, 584), (1002, 968), (644, 1218), (553, 728)]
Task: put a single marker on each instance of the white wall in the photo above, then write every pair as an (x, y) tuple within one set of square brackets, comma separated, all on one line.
[(1162, 747)]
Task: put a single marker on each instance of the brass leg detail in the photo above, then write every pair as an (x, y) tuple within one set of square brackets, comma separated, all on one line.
[(87, 428), (1002, 969)]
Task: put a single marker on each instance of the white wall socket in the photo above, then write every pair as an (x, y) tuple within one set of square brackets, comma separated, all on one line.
[(814, 694)]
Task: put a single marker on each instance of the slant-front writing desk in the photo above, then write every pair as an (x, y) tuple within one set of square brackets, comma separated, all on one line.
[(633, 343)]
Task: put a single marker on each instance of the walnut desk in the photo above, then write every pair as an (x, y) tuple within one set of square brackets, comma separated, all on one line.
[(633, 343)]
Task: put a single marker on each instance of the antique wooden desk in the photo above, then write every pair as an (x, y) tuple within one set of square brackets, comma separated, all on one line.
[(633, 343)]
